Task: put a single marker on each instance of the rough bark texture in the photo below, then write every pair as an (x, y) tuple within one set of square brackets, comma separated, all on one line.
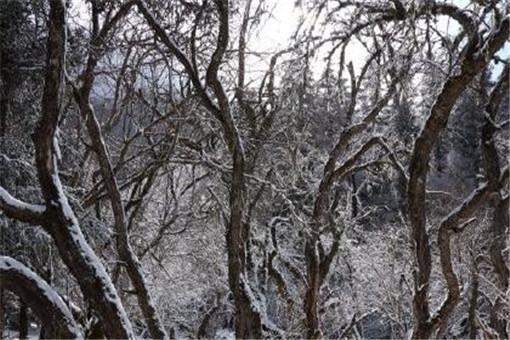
[(453, 223), (473, 299), (317, 266), (248, 319), (2, 311), (473, 62), (56, 318), (58, 218), (500, 217), (23, 319), (126, 254), (6, 90)]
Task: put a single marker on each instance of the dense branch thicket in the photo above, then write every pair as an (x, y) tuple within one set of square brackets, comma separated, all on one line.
[(167, 173)]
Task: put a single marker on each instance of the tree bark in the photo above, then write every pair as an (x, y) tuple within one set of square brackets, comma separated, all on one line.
[(60, 221), (500, 217), (499, 226), (6, 91), (473, 299), (473, 62), (126, 254), (23, 320), (57, 320), (248, 319), (2, 310), (317, 266), (453, 223)]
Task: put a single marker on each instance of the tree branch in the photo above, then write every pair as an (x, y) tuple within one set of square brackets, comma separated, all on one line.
[(21, 211), (58, 321)]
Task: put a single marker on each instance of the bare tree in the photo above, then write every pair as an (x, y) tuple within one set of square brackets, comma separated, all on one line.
[(476, 57), (499, 203), (56, 215), (82, 95), (200, 181)]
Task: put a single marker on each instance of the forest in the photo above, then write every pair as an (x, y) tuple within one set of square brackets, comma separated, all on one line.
[(247, 169)]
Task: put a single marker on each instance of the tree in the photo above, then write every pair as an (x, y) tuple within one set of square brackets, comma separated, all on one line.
[(191, 174), (56, 216)]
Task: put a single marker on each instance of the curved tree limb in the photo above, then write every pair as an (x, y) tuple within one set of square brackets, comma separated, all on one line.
[(472, 63), (57, 320), (126, 253), (62, 224), (450, 224), (21, 211)]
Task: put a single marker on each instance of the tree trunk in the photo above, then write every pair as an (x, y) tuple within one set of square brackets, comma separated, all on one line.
[(126, 254), (248, 323), (499, 261), (55, 317), (60, 221), (500, 217), (5, 105), (23, 320), (474, 61), (7, 77), (312, 290), (2, 310), (354, 198), (473, 300)]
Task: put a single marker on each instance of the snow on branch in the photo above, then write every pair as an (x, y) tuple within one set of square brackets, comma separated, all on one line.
[(56, 318), (19, 210), (459, 218)]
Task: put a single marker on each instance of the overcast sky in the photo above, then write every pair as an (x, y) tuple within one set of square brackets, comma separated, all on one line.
[(275, 32)]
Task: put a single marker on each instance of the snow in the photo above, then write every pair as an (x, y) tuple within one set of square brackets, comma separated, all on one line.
[(56, 147), (33, 334), (87, 253), (100, 271), (7, 199), (224, 334), (8, 263), (332, 302), (249, 292), (258, 305), (63, 202)]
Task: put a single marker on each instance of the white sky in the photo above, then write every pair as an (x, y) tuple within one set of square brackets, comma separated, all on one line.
[(278, 28), (275, 32)]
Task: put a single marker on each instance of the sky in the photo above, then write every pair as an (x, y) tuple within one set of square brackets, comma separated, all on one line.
[(277, 29)]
